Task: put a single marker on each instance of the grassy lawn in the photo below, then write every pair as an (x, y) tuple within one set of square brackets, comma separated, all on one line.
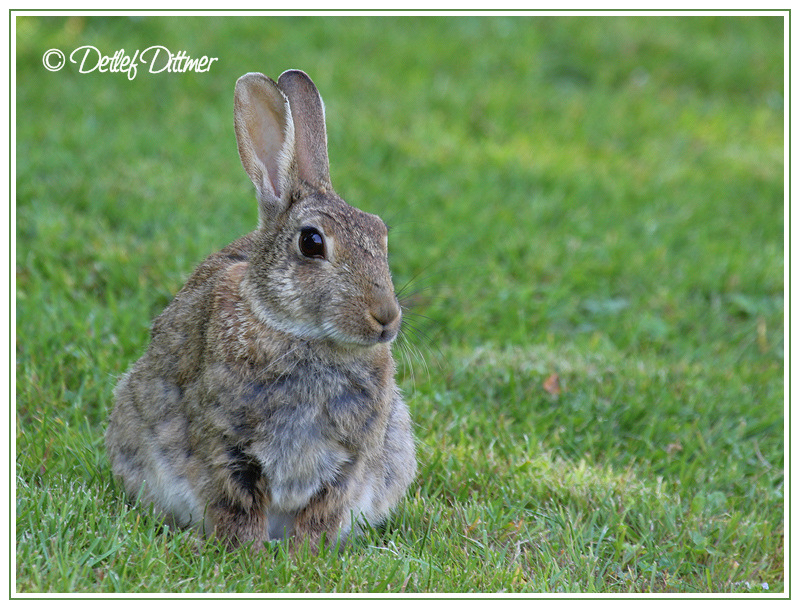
[(588, 218)]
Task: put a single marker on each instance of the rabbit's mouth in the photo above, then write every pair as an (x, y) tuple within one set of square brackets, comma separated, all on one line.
[(386, 332), (375, 333)]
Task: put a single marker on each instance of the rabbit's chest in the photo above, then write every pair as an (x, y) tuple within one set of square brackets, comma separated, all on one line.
[(313, 438), (296, 470), (322, 405), (306, 429)]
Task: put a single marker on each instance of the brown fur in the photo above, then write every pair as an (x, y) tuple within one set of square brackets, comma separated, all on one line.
[(265, 404)]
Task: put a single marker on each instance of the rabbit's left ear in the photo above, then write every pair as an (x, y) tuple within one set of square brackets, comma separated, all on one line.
[(310, 137), (265, 135)]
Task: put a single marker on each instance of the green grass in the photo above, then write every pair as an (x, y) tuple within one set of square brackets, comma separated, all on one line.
[(599, 199)]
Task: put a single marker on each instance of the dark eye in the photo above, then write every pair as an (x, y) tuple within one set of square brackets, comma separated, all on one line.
[(311, 243)]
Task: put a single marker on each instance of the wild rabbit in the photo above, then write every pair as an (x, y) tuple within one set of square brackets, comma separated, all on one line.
[(265, 405)]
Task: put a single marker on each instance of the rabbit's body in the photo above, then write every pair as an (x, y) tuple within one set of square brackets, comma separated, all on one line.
[(265, 405)]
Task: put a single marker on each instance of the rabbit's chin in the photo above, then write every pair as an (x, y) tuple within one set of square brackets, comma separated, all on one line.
[(350, 342)]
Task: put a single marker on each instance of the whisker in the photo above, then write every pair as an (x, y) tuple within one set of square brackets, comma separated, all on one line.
[(427, 341)]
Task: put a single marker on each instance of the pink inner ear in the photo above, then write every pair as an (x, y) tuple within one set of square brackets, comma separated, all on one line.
[(266, 121), (269, 140), (262, 122)]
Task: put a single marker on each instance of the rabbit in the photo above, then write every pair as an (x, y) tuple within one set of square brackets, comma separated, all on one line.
[(265, 406)]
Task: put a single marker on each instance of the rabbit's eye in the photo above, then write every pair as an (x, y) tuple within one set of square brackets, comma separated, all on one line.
[(312, 245)]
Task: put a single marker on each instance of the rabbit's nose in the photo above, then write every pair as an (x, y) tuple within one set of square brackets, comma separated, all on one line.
[(387, 314)]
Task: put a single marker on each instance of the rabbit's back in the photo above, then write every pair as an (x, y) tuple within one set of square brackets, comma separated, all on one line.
[(148, 430)]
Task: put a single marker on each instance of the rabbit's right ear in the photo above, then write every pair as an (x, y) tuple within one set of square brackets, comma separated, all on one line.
[(265, 135)]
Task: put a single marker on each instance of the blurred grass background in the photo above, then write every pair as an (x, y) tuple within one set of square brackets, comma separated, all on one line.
[(588, 218)]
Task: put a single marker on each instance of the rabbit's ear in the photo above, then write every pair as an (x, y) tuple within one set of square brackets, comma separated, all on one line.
[(310, 138), (265, 135)]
